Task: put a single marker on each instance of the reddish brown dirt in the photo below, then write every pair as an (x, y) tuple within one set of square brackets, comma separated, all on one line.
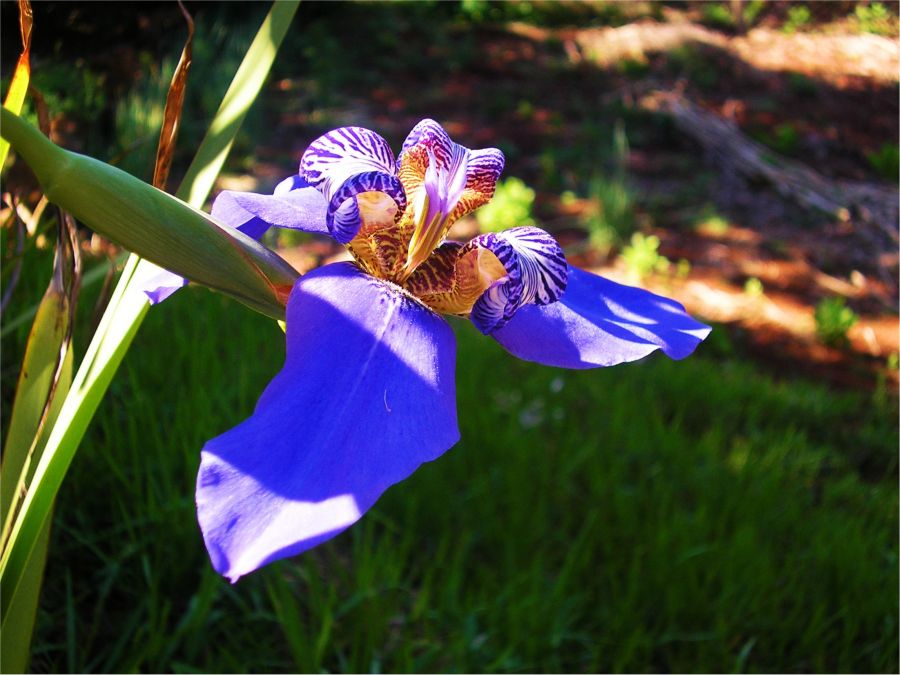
[(843, 109)]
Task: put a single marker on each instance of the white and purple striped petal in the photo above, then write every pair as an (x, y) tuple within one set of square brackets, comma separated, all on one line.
[(484, 168), (343, 218), (346, 162), (366, 396), (536, 273), (431, 135), (599, 322)]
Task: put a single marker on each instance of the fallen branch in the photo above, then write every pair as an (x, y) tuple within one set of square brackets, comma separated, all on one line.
[(861, 202)]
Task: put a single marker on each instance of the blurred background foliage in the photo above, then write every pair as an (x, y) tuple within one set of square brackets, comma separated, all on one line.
[(736, 511)]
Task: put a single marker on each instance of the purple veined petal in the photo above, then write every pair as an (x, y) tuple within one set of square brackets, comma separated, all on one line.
[(484, 169), (343, 218), (335, 156), (433, 136), (346, 162), (536, 274), (599, 322), (365, 396)]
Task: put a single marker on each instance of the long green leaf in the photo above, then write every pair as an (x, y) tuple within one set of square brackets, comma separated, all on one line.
[(39, 366), (44, 381), (25, 441), (18, 619), (127, 308), (18, 86)]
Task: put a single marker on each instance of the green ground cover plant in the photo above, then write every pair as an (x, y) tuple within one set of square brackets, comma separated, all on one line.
[(886, 161), (833, 320), (570, 530)]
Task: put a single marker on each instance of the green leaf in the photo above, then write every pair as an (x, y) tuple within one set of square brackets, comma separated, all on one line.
[(41, 389), (18, 619), (18, 86), (39, 367)]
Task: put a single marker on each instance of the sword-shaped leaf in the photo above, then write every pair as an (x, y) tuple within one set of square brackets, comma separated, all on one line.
[(15, 97), (43, 384), (165, 149)]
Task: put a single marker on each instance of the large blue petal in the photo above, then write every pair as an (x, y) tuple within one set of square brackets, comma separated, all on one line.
[(600, 323), (366, 395)]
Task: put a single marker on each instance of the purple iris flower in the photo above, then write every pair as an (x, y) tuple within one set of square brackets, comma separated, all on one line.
[(367, 391)]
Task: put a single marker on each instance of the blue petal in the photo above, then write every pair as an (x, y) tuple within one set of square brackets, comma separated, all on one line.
[(366, 395), (162, 284), (293, 205), (600, 323)]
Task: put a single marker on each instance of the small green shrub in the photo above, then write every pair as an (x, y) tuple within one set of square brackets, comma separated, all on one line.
[(720, 14), (784, 138), (717, 15), (833, 320), (874, 18), (691, 62), (752, 10), (634, 68), (753, 287), (802, 85), (642, 256), (886, 161), (610, 218), (798, 17), (510, 207), (710, 222)]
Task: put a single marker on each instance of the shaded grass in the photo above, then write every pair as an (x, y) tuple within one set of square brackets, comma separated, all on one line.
[(690, 516)]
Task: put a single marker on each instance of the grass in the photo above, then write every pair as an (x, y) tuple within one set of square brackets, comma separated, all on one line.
[(693, 516), (609, 520)]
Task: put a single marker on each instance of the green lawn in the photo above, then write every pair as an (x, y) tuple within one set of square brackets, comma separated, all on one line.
[(659, 516), (698, 516)]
